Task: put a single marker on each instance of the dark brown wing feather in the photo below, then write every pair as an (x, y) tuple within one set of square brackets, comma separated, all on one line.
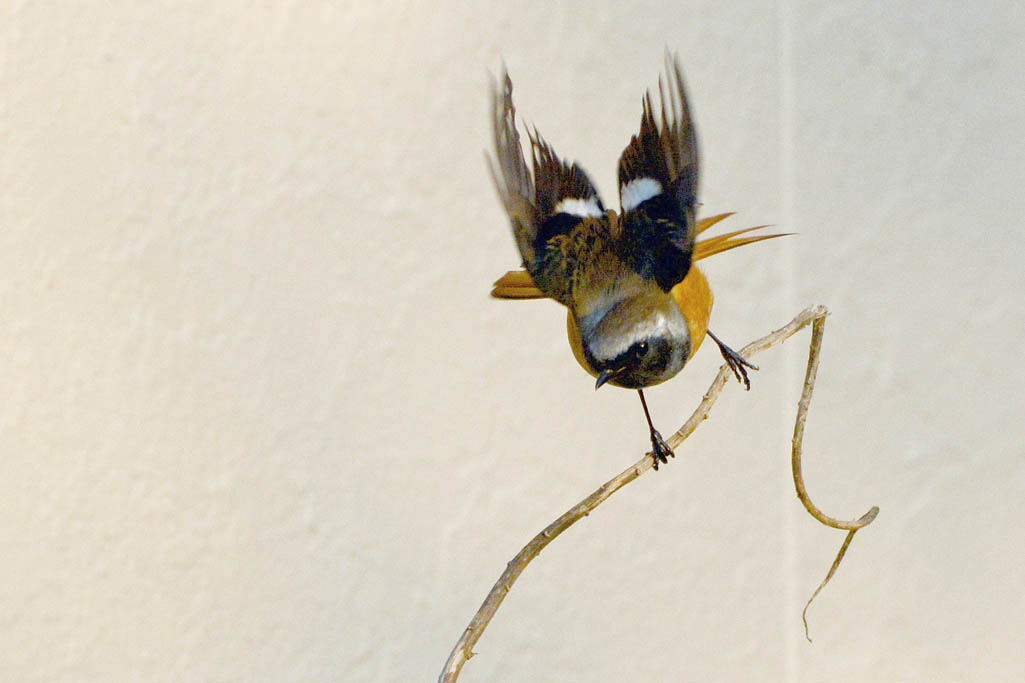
[(509, 170), (658, 184), (541, 220)]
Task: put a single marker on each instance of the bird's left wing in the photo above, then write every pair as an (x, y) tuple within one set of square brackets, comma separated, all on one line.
[(545, 210), (658, 184)]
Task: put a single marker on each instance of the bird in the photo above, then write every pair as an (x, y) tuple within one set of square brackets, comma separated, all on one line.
[(637, 305)]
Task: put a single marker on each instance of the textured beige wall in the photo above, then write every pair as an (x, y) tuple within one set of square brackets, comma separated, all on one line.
[(260, 421)]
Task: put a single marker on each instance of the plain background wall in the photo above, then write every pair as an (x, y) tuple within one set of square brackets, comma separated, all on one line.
[(259, 419)]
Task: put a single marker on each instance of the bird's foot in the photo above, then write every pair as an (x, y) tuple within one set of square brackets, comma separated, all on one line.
[(660, 450), (736, 362)]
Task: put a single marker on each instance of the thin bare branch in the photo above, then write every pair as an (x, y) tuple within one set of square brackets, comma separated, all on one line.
[(814, 350), (463, 650)]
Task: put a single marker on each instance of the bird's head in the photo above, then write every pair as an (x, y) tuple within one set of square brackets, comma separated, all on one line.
[(638, 342)]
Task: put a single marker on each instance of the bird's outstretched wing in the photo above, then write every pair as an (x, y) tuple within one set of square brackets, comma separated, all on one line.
[(545, 209), (658, 184)]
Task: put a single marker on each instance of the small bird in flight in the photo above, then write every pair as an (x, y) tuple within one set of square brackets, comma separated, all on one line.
[(638, 306)]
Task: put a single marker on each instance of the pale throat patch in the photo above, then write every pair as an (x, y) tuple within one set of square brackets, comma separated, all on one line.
[(585, 208), (638, 191)]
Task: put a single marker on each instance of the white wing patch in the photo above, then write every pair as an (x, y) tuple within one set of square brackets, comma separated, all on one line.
[(585, 208), (638, 191)]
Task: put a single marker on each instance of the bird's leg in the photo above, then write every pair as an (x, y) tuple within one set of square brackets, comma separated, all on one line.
[(735, 361), (660, 450)]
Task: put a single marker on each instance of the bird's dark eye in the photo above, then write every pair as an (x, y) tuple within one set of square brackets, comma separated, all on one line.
[(641, 349)]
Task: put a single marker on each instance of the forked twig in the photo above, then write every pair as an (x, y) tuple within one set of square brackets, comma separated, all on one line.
[(816, 315)]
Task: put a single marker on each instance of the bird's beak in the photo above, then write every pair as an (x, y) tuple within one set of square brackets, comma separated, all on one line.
[(604, 377)]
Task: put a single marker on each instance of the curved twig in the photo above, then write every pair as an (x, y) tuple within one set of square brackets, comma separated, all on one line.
[(817, 330), (463, 649)]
